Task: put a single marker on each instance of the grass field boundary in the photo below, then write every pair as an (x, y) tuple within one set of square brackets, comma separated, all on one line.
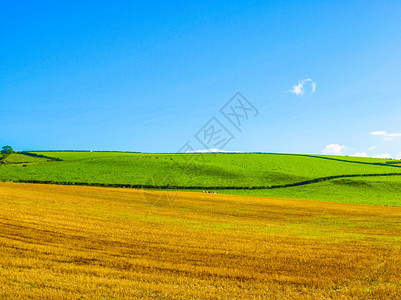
[(387, 164), (38, 155), (391, 164), (168, 187)]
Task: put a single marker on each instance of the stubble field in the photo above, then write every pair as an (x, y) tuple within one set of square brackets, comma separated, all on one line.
[(76, 242)]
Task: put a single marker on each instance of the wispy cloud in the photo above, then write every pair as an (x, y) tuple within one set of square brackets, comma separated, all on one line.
[(335, 149), (364, 154), (314, 85), (360, 154), (386, 135), (299, 89), (211, 151), (372, 148), (384, 155)]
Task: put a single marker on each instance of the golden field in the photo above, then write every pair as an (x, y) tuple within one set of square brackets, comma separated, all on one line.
[(70, 242)]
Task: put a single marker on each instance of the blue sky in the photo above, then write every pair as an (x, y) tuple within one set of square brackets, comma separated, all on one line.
[(148, 75)]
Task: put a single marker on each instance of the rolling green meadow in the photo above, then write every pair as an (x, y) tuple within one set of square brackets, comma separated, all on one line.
[(248, 174)]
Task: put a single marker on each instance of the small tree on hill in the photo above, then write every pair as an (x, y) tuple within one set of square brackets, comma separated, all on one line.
[(7, 150)]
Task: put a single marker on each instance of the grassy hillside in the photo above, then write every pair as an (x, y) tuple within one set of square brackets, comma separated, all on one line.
[(17, 158), (370, 190), (218, 170), (69, 242), (214, 170)]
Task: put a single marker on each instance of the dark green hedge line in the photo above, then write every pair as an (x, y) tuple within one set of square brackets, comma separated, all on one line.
[(392, 162), (39, 156), (386, 164)]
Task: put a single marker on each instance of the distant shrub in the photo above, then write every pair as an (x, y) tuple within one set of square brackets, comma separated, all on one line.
[(7, 150)]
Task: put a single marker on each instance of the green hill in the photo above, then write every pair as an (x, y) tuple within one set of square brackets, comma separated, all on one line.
[(237, 172), (18, 158)]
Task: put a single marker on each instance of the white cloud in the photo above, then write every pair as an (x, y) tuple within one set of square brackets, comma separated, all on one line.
[(372, 148), (384, 155), (299, 89), (386, 135), (378, 133), (212, 151), (394, 134), (314, 85), (335, 149), (360, 154)]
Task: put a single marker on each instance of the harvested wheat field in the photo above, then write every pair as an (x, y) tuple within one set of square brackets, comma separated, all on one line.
[(75, 242)]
